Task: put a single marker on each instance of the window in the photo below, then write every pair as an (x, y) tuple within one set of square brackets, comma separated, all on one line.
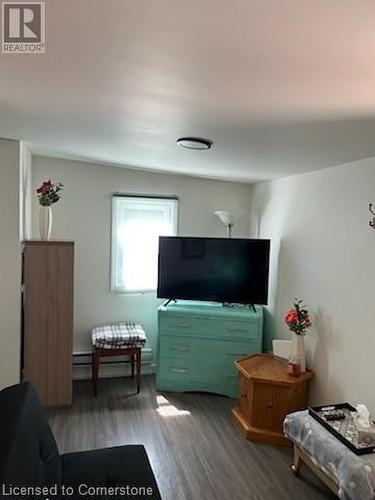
[(137, 223)]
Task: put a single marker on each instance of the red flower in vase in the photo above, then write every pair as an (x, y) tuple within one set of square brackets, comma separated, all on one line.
[(48, 193), (297, 318)]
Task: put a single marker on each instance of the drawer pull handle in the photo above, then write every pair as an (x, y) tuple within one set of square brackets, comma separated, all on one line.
[(179, 370), (270, 404), (180, 348), (182, 327), (235, 354), (236, 330)]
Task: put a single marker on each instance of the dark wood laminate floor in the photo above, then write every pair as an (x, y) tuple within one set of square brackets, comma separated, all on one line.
[(195, 450)]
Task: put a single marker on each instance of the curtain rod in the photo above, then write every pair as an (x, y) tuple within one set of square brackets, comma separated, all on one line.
[(151, 196)]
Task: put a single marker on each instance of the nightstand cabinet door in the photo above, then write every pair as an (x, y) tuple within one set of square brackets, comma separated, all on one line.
[(272, 402), (267, 402), (245, 397)]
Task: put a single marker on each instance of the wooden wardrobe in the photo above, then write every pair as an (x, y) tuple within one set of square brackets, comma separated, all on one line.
[(47, 333)]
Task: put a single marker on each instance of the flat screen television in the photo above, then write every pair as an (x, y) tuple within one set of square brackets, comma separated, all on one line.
[(213, 269)]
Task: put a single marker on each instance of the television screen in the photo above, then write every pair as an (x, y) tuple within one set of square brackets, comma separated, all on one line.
[(213, 269)]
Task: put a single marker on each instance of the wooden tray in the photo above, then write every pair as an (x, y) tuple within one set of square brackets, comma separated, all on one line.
[(344, 430)]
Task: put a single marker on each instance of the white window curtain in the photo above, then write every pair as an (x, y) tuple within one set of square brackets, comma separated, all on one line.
[(137, 224)]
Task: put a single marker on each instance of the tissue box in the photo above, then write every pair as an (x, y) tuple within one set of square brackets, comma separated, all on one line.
[(281, 348), (366, 435)]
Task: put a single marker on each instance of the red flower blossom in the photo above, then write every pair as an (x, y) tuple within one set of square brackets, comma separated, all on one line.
[(291, 316), (298, 318), (49, 193)]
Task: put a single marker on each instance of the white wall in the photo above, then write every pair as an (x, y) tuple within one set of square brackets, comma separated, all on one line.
[(25, 193), (323, 251), (84, 214), (10, 262)]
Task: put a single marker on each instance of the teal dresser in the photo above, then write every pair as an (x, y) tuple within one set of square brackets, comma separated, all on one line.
[(198, 343)]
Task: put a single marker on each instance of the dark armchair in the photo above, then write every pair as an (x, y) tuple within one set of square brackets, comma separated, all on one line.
[(29, 458)]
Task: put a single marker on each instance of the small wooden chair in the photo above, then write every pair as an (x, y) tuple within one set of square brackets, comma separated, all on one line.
[(117, 340)]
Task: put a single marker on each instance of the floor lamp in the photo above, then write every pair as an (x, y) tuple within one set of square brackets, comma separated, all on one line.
[(226, 218)]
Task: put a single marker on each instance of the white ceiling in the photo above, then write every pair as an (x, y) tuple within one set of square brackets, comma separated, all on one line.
[(280, 86)]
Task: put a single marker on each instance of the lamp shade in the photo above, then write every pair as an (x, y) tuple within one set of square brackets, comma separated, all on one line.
[(225, 216)]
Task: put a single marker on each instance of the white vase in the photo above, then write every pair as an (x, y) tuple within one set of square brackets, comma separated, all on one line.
[(45, 222), (298, 349)]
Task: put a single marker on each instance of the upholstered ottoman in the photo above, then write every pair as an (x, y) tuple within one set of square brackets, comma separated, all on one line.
[(350, 476), (119, 339)]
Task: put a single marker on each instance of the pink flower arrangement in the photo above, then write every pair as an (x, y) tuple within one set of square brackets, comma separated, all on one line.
[(297, 318), (48, 193)]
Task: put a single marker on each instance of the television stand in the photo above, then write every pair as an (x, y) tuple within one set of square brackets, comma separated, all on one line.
[(198, 343)]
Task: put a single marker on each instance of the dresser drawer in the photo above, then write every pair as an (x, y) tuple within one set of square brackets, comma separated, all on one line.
[(240, 329), (210, 327), (231, 351), (222, 352), (175, 369), (176, 325), (209, 371), (176, 346)]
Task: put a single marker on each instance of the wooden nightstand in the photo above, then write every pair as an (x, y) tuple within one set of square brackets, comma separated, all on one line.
[(266, 395)]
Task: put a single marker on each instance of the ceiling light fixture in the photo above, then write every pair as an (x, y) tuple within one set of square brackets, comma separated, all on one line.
[(194, 143)]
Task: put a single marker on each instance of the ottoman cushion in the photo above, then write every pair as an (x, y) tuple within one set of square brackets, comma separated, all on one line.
[(118, 336)]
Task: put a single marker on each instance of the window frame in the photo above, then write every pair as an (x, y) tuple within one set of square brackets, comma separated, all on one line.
[(113, 250)]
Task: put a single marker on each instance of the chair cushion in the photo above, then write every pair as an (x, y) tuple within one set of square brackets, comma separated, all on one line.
[(118, 336), (121, 466)]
